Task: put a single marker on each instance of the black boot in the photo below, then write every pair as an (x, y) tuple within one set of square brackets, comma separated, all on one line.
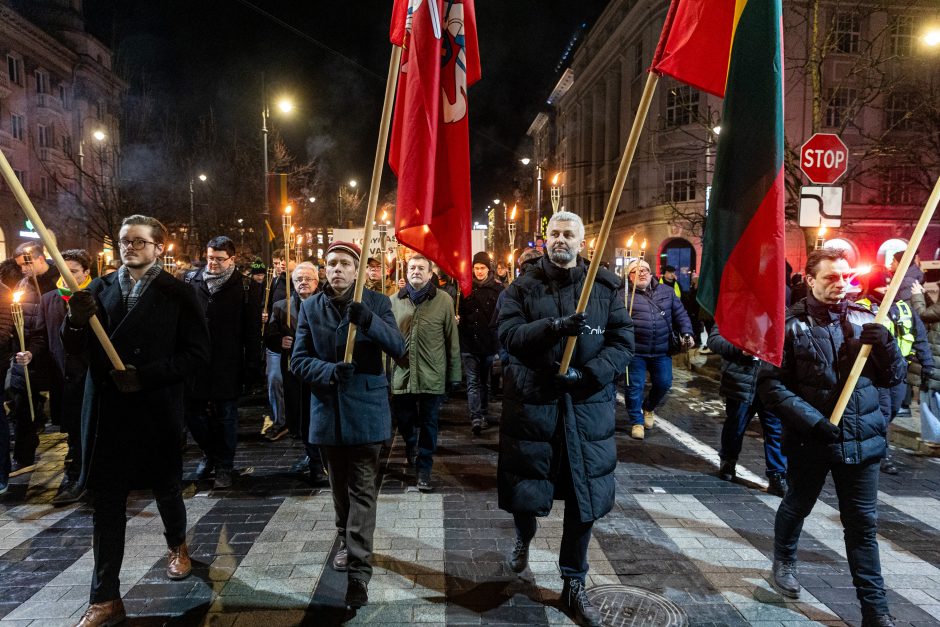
[(519, 560), (885, 620), (574, 598), (784, 579), (727, 470), (777, 484), (357, 593)]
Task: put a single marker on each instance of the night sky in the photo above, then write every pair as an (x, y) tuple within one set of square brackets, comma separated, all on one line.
[(332, 57)]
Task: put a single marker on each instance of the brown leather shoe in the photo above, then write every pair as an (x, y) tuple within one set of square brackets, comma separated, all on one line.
[(103, 614), (341, 559), (178, 564)]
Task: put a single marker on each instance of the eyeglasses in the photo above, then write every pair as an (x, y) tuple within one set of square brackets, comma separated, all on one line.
[(640, 271), (217, 259), (137, 243)]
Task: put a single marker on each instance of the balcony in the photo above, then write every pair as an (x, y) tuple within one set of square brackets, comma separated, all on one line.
[(49, 103)]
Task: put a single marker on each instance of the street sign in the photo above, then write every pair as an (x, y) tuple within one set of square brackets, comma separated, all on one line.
[(824, 158), (820, 206)]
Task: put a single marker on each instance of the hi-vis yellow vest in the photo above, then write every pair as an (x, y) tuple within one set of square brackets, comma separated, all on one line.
[(904, 323)]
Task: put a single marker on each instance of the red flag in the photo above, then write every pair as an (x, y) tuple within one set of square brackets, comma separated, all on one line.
[(430, 142)]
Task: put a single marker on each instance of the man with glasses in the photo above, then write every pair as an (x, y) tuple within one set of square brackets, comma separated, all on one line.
[(656, 312), (230, 311), (132, 419)]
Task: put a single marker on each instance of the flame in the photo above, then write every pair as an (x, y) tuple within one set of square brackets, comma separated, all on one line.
[(170, 249), (630, 242), (384, 215), (17, 295), (513, 215), (101, 254), (555, 178), (292, 229), (591, 245), (300, 238), (643, 245), (287, 210), (821, 232)]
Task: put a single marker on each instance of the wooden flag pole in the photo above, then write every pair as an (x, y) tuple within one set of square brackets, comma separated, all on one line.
[(616, 192), (887, 301), (390, 85), (20, 194)]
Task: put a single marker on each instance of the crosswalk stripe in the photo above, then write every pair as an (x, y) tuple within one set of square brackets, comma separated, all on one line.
[(24, 522), (922, 508)]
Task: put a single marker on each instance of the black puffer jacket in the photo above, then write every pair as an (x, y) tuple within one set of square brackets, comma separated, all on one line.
[(531, 438), (820, 347), (738, 371), (476, 312)]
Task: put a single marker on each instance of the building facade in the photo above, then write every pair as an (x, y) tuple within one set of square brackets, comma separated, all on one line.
[(869, 78), (59, 99)]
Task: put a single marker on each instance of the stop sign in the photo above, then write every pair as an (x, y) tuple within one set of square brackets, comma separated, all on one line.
[(824, 158)]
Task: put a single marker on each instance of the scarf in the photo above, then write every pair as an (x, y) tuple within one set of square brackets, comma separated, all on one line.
[(64, 290), (132, 290), (419, 296), (339, 300), (216, 280)]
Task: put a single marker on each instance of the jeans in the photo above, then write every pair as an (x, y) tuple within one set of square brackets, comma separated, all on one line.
[(738, 416), (275, 388), (353, 472), (660, 369), (477, 370), (214, 426), (110, 522), (857, 489), (417, 416)]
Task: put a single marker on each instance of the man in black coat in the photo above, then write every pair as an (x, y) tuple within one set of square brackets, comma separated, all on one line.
[(132, 419), (230, 311), (272, 359), (823, 335), (478, 342), (557, 431)]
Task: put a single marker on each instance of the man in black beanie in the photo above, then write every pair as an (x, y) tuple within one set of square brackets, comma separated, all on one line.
[(478, 343)]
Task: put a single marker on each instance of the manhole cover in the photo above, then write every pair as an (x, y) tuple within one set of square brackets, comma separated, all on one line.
[(624, 605)]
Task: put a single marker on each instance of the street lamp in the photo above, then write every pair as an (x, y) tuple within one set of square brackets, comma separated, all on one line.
[(99, 135), (932, 37), (192, 212), (525, 161), (340, 199), (286, 106)]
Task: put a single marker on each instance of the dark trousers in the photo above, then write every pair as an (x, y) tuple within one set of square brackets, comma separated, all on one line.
[(27, 440), (417, 416), (660, 371), (857, 489), (5, 465), (297, 415), (110, 522), (70, 398), (214, 426), (477, 370), (353, 472), (738, 416)]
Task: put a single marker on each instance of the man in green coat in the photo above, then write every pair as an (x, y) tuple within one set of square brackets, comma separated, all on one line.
[(429, 368)]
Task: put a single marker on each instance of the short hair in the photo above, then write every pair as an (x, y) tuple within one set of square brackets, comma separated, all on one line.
[(33, 248), (419, 257), (639, 262), (900, 253), (157, 230), (567, 216), (819, 255), (279, 254), (79, 256), (668, 268), (10, 273), (306, 265), (222, 242), (528, 255)]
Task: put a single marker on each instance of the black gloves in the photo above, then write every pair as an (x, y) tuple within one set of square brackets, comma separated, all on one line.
[(82, 307), (926, 374), (360, 315), (127, 380), (568, 325), (570, 379), (826, 432), (343, 372)]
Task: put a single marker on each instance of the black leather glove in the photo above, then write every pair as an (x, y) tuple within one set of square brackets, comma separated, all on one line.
[(82, 307), (360, 315), (570, 379), (127, 381), (343, 372), (826, 432), (568, 325), (877, 335), (925, 375)]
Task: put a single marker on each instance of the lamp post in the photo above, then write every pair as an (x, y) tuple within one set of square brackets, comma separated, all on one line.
[(192, 213), (286, 224), (511, 224), (340, 199), (285, 105)]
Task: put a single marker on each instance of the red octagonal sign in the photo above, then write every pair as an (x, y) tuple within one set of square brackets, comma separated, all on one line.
[(824, 158)]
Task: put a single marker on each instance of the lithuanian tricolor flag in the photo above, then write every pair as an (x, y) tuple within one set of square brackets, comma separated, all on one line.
[(734, 48)]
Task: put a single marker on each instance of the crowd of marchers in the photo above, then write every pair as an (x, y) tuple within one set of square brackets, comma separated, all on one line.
[(195, 339)]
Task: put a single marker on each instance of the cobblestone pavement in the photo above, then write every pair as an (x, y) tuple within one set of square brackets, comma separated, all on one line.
[(260, 549)]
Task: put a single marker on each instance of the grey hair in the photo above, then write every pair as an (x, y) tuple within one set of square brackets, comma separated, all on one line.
[(567, 216), (304, 265)]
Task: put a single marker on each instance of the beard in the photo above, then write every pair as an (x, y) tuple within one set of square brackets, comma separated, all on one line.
[(561, 255)]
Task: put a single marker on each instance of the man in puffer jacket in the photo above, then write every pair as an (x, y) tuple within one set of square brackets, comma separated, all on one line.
[(824, 333), (656, 312), (557, 430)]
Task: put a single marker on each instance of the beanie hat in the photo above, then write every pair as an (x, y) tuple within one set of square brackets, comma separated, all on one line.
[(345, 247), (483, 258), (258, 267)]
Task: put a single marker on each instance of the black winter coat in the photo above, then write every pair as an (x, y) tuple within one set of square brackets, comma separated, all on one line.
[(476, 312), (132, 441), (656, 311), (34, 330), (234, 323), (69, 368), (819, 349), (531, 437), (738, 371)]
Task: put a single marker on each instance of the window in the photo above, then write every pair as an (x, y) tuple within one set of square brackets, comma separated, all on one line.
[(680, 181), (839, 105), (900, 186), (15, 69), (67, 145), (898, 109), (62, 96), (43, 134), (902, 35), (16, 126), (847, 33), (638, 60), (681, 105), (44, 187), (99, 109), (42, 82), (21, 176)]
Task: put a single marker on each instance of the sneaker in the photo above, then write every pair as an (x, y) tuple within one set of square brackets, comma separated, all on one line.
[(485, 424), (889, 467), (637, 432), (904, 412), (275, 433), (649, 419), (301, 467), (318, 479), (424, 481), (884, 620), (519, 559), (777, 484), (103, 614), (477, 427), (69, 492), (575, 600), (266, 424), (203, 469), (728, 469), (341, 559), (223, 480), (784, 579), (357, 594)]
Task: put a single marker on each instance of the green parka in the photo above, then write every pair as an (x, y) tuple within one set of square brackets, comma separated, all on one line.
[(432, 345)]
